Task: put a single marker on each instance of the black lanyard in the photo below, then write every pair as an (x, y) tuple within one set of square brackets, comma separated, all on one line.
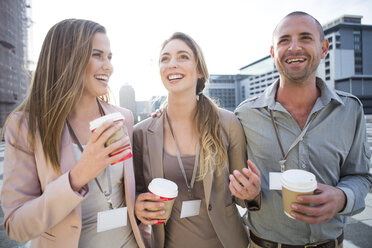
[(191, 185), (106, 193)]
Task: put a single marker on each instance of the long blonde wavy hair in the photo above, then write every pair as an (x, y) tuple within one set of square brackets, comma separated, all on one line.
[(57, 83), (213, 154)]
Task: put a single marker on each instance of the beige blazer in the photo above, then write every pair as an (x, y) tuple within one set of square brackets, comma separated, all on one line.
[(222, 211), (38, 203)]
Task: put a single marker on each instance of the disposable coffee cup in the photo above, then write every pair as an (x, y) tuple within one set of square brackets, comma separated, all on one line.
[(168, 191), (294, 183), (122, 132)]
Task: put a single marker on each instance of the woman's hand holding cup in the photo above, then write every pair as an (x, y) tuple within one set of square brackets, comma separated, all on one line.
[(96, 156), (146, 201)]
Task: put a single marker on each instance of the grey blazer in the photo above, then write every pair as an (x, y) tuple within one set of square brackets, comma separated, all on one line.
[(222, 211)]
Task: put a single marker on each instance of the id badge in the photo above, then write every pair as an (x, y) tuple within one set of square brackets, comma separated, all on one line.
[(190, 208), (275, 183), (111, 219)]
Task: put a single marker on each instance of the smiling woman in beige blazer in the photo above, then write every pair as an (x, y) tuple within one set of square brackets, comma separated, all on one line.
[(48, 194), (191, 125)]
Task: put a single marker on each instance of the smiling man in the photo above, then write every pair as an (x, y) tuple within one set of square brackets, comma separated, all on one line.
[(300, 123)]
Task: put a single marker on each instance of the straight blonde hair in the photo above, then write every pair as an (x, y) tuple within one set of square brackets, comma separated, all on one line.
[(57, 83)]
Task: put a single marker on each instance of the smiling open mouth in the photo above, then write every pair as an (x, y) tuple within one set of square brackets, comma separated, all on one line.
[(101, 77), (295, 60), (175, 77)]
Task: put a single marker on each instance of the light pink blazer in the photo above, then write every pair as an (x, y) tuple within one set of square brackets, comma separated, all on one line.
[(38, 203)]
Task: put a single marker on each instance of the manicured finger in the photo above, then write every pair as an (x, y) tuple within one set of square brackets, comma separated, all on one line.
[(98, 131), (254, 168), (234, 192), (240, 178)]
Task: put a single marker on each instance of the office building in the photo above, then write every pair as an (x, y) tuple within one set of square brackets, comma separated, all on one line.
[(348, 65), (127, 98), (261, 74), (145, 108), (226, 90), (14, 75)]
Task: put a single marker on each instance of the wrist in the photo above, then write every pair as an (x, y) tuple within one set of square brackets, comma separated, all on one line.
[(75, 180), (343, 200)]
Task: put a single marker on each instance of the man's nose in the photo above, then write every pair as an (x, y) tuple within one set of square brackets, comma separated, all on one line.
[(295, 45)]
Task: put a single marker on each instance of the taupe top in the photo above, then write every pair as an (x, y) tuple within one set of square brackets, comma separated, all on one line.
[(95, 202), (197, 230)]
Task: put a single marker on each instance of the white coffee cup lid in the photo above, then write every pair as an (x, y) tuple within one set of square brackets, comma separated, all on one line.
[(97, 122), (163, 187), (298, 180)]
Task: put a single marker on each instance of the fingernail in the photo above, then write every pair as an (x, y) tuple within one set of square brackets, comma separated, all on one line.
[(294, 206), (293, 214)]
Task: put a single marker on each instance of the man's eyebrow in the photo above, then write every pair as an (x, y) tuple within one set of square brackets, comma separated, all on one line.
[(284, 36), (306, 33)]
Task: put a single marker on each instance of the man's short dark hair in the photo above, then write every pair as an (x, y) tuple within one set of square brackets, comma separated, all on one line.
[(301, 13)]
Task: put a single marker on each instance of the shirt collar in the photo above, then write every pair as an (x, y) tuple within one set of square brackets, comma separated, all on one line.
[(267, 99)]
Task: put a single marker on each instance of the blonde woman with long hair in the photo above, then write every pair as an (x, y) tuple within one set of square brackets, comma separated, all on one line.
[(57, 179), (202, 149)]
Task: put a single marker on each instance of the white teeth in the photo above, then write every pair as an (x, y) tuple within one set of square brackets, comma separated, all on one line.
[(290, 61), (172, 77), (101, 77)]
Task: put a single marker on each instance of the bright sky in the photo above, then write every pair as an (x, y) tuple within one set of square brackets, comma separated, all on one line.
[(231, 33)]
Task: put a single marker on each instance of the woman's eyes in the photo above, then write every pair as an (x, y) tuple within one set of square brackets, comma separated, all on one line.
[(99, 55), (164, 59), (183, 56)]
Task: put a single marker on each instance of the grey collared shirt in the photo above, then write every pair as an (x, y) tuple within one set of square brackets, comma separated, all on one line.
[(334, 148)]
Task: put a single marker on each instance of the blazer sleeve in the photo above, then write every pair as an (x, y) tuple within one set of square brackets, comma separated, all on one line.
[(28, 210), (237, 154)]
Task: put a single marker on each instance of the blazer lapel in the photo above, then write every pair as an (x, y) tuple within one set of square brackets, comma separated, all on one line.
[(68, 159), (207, 183), (155, 143)]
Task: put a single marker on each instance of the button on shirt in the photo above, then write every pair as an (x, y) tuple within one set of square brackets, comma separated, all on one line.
[(334, 148)]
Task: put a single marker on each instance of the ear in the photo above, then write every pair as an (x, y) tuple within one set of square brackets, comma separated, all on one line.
[(325, 45), (200, 75), (272, 52)]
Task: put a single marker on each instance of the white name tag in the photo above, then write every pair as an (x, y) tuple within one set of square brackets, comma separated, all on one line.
[(190, 208), (111, 219), (275, 183)]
